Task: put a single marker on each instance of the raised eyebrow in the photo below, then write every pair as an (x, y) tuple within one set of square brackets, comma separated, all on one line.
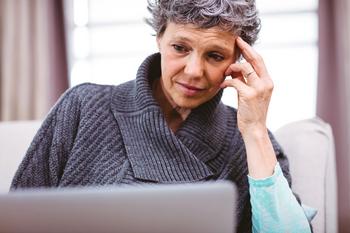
[(221, 48), (215, 47), (182, 38)]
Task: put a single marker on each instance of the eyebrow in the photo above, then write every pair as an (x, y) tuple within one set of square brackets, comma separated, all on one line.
[(213, 46), (222, 48)]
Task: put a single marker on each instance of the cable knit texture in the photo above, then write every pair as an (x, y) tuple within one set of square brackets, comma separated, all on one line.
[(99, 135)]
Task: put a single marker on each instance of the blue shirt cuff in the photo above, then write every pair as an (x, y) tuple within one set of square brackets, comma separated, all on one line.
[(268, 181)]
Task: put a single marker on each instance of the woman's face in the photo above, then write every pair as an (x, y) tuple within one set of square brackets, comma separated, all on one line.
[(193, 62)]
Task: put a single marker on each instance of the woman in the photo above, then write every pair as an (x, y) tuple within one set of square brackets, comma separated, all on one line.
[(169, 126)]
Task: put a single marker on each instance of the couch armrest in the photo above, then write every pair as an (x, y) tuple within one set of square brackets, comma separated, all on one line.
[(309, 146)]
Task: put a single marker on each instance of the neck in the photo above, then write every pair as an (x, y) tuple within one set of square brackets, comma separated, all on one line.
[(174, 114)]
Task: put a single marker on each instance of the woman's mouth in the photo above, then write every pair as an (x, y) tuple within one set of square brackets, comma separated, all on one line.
[(189, 90)]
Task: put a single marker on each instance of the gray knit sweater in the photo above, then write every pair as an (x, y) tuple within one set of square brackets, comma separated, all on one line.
[(99, 135)]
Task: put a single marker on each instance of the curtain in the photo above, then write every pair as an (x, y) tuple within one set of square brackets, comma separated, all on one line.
[(333, 97), (33, 63)]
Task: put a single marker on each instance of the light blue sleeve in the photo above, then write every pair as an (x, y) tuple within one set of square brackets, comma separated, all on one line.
[(274, 206)]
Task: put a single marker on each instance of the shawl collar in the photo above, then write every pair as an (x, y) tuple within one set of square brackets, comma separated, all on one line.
[(154, 151)]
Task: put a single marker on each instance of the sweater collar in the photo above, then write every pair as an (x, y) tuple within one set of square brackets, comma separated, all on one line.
[(154, 151)]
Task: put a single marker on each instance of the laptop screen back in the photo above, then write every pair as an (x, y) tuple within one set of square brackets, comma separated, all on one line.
[(202, 207)]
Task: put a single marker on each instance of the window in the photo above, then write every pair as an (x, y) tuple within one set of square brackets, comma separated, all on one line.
[(288, 43), (109, 39)]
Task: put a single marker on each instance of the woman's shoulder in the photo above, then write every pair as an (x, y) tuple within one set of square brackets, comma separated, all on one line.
[(88, 89), (92, 92), (81, 98)]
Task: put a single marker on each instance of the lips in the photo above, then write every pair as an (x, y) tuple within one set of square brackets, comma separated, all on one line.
[(189, 90)]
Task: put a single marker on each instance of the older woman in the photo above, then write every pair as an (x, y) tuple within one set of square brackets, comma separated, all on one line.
[(169, 125)]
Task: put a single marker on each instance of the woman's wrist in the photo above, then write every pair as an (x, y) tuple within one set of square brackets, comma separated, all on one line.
[(260, 153), (254, 132)]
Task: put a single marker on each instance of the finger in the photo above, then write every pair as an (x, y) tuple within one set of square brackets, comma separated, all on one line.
[(233, 74), (239, 68), (252, 57), (237, 83), (244, 69)]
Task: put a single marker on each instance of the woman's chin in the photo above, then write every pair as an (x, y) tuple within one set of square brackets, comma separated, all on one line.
[(187, 103)]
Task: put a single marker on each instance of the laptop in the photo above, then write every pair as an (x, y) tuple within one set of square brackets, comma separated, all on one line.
[(177, 208)]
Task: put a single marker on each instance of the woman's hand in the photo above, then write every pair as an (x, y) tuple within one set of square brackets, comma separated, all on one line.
[(254, 87)]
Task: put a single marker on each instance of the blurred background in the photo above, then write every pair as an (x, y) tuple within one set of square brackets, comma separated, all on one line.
[(48, 46)]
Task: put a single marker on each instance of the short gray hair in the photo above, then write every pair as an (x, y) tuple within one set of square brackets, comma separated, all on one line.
[(237, 16)]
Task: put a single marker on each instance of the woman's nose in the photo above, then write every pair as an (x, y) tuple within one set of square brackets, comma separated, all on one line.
[(194, 66)]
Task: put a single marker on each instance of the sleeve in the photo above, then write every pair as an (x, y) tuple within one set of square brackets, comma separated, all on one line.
[(274, 206), (44, 161)]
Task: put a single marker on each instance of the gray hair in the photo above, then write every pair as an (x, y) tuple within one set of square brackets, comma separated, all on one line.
[(237, 16)]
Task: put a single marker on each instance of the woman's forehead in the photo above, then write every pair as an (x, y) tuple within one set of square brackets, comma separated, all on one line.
[(213, 36), (191, 28)]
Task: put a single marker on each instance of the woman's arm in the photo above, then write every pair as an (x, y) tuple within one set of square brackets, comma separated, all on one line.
[(274, 206), (254, 87), (268, 197)]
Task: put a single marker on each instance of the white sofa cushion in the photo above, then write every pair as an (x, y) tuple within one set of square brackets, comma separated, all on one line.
[(15, 138)]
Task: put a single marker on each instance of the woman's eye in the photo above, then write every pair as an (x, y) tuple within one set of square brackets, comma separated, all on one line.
[(216, 57), (180, 48)]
